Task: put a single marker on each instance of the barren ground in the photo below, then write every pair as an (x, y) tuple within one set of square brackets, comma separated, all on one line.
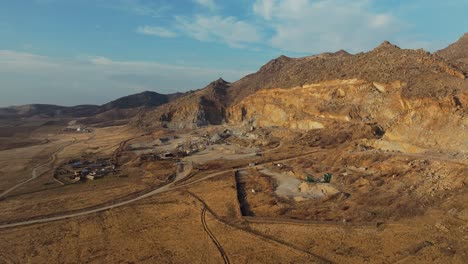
[(229, 202)]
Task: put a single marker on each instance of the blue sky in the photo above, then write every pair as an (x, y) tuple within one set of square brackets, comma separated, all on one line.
[(71, 52)]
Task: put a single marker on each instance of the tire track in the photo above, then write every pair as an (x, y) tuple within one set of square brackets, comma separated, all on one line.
[(268, 238), (213, 238)]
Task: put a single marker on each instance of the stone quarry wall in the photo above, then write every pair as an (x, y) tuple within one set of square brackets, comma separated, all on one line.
[(409, 124)]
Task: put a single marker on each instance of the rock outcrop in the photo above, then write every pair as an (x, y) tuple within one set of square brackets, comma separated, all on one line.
[(193, 109)]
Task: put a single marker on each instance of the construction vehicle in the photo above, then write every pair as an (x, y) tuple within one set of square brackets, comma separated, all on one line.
[(327, 177)]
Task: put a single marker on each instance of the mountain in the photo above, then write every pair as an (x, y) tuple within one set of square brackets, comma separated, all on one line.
[(456, 52), (193, 109), (418, 69), (415, 99), (385, 63), (46, 110), (144, 99), (408, 95)]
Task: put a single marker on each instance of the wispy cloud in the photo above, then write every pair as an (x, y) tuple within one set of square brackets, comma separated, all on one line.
[(236, 33), (31, 78), (303, 26), (324, 25), (210, 4), (150, 67), (141, 7), (156, 31)]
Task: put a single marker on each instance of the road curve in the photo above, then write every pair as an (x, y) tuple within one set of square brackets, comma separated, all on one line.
[(100, 209), (34, 174)]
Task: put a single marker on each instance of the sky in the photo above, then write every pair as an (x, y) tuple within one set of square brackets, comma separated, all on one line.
[(71, 52)]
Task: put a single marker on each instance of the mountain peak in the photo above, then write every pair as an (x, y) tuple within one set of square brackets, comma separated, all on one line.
[(276, 64), (219, 82), (387, 45), (283, 57), (341, 52)]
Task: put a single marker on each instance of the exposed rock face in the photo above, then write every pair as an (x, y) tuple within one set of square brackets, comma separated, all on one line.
[(408, 124), (193, 109)]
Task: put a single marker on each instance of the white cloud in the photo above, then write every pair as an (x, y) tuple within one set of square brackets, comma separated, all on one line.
[(100, 61), (264, 8), (13, 61), (230, 30), (156, 31), (380, 21), (210, 4), (324, 25)]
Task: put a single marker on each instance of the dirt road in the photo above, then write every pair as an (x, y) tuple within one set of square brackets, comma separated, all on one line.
[(34, 173), (164, 188), (100, 209)]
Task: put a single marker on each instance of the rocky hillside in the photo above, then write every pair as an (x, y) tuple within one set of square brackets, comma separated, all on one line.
[(194, 109), (412, 98), (417, 100), (425, 76), (456, 52), (384, 64)]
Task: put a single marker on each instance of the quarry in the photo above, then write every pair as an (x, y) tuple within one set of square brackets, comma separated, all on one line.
[(336, 158)]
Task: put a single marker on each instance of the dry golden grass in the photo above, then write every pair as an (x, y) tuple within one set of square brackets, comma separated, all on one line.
[(167, 228)]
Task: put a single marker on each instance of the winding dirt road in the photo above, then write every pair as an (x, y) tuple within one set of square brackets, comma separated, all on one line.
[(34, 173)]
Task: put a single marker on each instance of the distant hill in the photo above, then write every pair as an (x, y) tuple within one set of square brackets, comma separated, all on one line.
[(144, 99), (121, 108), (45, 110)]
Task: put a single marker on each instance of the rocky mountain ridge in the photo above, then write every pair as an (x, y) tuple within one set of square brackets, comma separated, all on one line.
[(424, 75), (456, 52), (417, 99)]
